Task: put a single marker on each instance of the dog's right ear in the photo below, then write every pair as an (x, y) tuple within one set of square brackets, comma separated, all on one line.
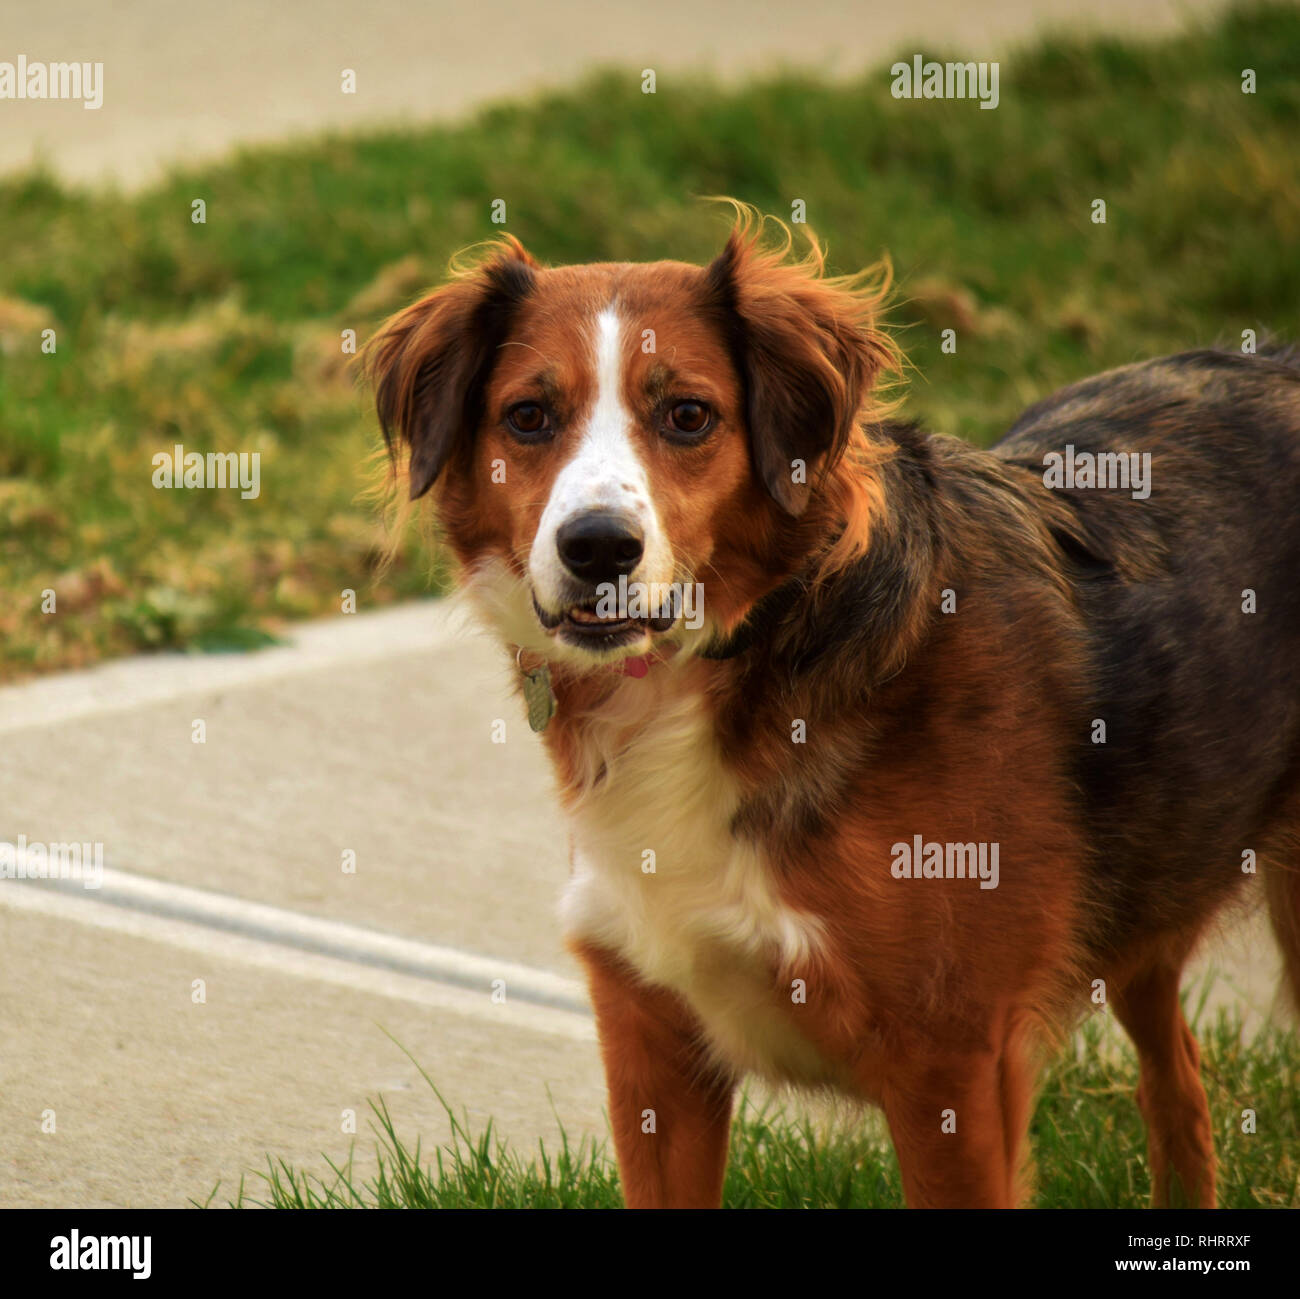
[(430, 363)]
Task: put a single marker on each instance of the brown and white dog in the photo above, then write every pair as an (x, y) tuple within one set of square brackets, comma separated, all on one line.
[(946, 756)]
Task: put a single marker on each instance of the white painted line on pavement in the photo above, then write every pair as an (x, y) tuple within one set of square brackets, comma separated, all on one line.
[(328, 951)]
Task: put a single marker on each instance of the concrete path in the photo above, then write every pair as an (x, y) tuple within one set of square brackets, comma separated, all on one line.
[(187, 83), (224, 863), (370, 736)]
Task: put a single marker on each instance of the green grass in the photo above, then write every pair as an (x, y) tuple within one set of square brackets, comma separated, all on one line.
[(226, 335), (1087, 1137)]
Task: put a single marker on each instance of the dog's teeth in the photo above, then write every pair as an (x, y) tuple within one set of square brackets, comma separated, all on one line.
[(591, 617)]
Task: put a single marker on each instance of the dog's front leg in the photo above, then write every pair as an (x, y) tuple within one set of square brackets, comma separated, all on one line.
[(670, 1111), (957, 1122)]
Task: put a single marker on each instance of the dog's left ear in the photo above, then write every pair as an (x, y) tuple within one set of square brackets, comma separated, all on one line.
[(807, 355), (430, 363)]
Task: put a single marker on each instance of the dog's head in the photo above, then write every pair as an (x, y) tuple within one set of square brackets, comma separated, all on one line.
[(622, 453)]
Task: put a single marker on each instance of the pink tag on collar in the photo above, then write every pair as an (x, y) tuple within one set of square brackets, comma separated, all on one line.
[(635, 667)]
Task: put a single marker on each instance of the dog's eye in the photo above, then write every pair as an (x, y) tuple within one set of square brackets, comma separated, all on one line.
[(689, 418), (528, 420)]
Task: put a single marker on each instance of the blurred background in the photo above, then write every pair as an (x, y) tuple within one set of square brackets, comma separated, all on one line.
[(326, 210)]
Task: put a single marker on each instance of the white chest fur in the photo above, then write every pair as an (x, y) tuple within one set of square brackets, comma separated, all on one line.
[(659, 878)]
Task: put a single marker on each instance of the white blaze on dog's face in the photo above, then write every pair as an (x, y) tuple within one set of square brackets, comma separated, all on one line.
[(600, 522), (618, 431)]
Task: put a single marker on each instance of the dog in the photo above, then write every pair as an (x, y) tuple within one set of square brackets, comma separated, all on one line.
[(959, 745)]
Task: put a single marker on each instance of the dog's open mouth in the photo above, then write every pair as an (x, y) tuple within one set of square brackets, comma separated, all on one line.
[(583, 623)]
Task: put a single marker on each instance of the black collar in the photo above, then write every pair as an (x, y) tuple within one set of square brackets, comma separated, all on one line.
[(760, 622)]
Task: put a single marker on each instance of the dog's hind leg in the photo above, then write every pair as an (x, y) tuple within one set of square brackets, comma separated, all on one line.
[(1018, 1073), (1170, 1094)]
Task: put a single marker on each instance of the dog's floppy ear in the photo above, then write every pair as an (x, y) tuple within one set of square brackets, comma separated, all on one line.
[(807, 354), (429, 364)]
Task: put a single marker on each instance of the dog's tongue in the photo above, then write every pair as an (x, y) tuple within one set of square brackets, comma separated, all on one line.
[(635, 667)]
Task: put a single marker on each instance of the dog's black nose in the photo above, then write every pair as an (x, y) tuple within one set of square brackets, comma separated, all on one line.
[(599, 546)]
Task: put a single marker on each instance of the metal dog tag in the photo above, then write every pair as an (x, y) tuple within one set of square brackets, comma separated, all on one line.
[(539, 696)]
